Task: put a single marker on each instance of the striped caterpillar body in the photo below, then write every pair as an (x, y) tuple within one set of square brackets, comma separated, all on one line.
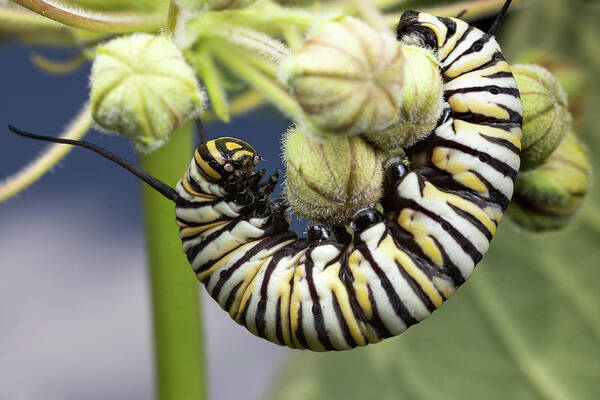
[(334, 290)]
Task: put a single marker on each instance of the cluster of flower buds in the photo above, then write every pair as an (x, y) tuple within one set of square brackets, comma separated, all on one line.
[(546, 118), (573, 80), (350, 79), (547, 197), (555, 168), (362, 94)]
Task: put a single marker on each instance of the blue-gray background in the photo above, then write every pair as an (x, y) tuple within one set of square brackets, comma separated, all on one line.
[(75, 318)]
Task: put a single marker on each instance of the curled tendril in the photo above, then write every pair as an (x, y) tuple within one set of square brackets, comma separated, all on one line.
[(37, 168)]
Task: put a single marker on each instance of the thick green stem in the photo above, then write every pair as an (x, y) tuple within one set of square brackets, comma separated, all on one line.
[(176, 307)]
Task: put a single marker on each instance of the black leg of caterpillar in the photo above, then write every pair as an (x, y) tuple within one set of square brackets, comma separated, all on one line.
[(279, 206), (245, 198), (365, 218), (254, 196), (244, 185), (257, 177), (263, 203), (269, 186), (201, 130), (496, 25), (277, 211), (156, 184), (460, 14)]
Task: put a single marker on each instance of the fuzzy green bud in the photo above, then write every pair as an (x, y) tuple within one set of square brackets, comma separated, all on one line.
[(329, 180), (421, 106), (573, 80), (546, 118), (347, 78), (142, 87), (547, 197)]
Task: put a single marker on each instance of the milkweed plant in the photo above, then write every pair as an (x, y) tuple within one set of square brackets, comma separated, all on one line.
[(333, 68)]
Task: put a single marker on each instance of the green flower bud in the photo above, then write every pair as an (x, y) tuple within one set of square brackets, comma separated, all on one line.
[(546, 118), (142, 87), (547, 197), (329, 180), (347, 78), (572, 79), (421, 106)]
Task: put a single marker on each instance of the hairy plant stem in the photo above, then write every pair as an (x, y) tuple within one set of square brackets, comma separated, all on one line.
[(205, 65), (22, 18), (277, 95), (178, 335), (111, 22), (248, 39)]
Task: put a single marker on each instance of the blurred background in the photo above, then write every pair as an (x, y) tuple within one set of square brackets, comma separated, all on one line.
[(74, 300)]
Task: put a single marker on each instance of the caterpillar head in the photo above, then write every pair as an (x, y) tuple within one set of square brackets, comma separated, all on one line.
[(226, 159), (420, 29)]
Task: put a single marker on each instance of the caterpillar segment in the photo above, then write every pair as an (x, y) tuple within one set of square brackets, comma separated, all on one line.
[(476, 147)]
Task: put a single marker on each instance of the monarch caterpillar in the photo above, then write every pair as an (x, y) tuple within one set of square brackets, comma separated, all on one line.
[(333, 290)]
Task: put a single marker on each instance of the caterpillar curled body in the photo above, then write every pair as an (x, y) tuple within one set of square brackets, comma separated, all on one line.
[(332, 291)]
